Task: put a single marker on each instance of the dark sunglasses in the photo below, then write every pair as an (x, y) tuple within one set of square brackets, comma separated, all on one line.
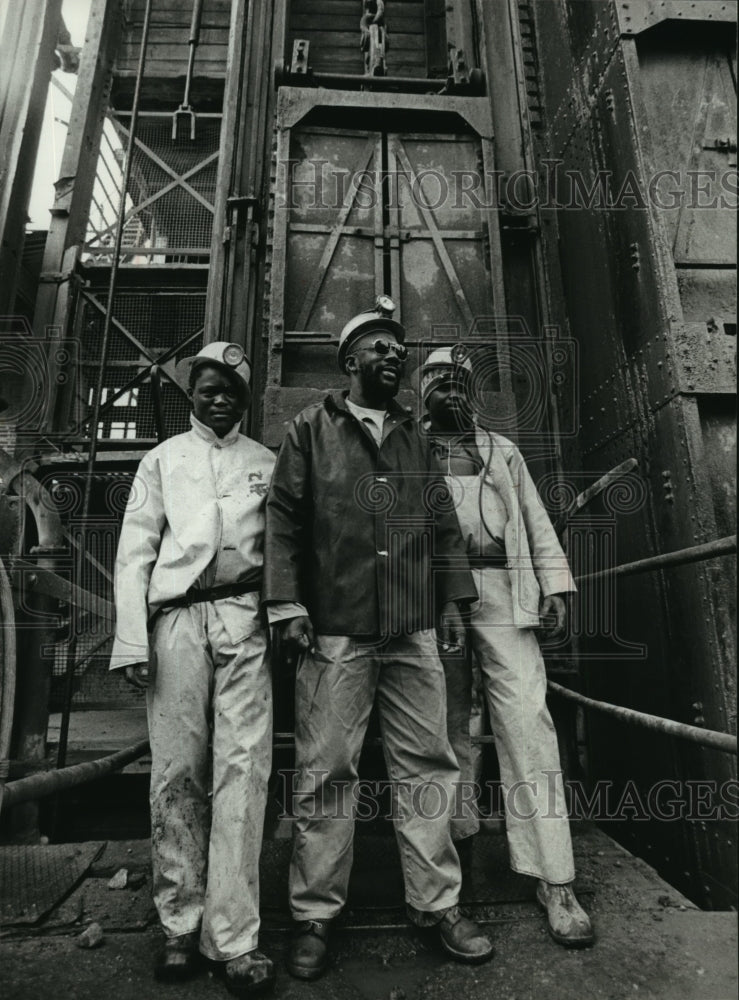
[(384, 347)]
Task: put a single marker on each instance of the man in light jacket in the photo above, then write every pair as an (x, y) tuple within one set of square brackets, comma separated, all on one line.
[(190, 631), (523, 580)]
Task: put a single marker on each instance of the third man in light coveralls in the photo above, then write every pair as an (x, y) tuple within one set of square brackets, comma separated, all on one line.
[(523, 579)]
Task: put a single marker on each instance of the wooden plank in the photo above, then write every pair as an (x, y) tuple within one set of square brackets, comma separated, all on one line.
[(335, 8), (350, 40), (181, 18), (168, 35), (211, 8), (409, 23), (163, 68), (168, 54), (436, 40), (179, 21)]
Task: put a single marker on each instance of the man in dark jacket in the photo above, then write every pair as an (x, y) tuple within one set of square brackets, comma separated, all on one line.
[(362, 536)]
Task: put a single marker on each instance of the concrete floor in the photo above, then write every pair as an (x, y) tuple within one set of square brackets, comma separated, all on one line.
[(651, 942)]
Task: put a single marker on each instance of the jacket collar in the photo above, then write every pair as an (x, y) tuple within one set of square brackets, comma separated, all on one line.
[(209, 435), (424, 424), (337, 401)]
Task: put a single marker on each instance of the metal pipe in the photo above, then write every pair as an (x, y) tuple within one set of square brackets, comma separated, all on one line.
[(283, 76), (155, 383), (704, 737), (92, 454), (91, 652), (594, 490), (192, 41), (7, 664), (185, 111), (696, 553), (38, 786), (475, 86)]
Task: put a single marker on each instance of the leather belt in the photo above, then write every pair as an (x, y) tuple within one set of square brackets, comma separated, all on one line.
[(247, 585), (488, 562)]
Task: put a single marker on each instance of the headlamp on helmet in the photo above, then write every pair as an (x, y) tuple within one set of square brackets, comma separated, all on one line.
[(443, 363), (233, 355), (378, 319)]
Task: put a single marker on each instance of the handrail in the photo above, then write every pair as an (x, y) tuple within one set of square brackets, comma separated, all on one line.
[(37, 786), (705, 737), (725, 546)]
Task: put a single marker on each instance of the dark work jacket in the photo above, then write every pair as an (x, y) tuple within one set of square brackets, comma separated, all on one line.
[(365, 537)]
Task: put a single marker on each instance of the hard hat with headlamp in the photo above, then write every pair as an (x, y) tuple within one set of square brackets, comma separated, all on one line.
[(443, 363), (219, 354), (378, 319)]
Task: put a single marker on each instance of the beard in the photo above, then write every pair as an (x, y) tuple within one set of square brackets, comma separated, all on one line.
[(376, 381)]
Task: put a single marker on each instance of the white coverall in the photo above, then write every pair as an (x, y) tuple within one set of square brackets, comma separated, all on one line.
[(502, 638), (195, 517)]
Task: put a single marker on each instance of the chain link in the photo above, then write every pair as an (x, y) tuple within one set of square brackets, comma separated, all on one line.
[(374, 13)]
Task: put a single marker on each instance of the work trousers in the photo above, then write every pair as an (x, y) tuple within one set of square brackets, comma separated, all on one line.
[(335, 691), (514, 680), (459, 681), (206, 860)]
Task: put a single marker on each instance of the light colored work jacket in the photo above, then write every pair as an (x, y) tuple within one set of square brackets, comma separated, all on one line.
[(195, 517), (536, 564)]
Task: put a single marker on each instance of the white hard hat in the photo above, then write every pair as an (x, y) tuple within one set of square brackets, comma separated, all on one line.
[(444, 362), (379, 318), (220, 353)]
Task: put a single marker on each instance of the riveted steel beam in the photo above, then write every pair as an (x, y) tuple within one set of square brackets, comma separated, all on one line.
[(635, 16)]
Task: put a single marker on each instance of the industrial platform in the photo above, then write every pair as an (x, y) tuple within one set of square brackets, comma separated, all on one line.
[(652, 943)]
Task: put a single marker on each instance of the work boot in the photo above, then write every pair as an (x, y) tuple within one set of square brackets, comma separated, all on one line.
[(308, 955), (463, 938), (179, 958), (250, 975), (568, 923)]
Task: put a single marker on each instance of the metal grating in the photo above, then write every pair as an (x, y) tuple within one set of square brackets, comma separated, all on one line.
[(34, 878), (171, 198), (147, 325)]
